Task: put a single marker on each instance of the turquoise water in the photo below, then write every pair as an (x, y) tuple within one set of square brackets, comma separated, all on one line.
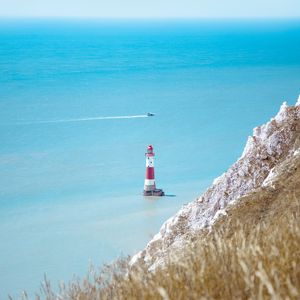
[(70, 192)]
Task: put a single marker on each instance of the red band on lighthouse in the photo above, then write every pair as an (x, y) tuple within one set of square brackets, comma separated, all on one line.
[(149, 173), (149, 186)]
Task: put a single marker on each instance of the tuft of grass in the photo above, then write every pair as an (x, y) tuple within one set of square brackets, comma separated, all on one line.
[(252, 253)]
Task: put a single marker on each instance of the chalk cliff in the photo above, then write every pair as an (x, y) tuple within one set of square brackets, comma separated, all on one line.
[(269, 146)]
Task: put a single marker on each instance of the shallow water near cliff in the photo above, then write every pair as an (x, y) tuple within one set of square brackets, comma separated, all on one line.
[(70, 192)]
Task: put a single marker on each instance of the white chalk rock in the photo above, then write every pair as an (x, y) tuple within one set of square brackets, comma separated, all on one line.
[(269, 145)]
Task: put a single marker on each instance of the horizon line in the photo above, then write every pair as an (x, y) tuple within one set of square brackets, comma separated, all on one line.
[(165, 18)]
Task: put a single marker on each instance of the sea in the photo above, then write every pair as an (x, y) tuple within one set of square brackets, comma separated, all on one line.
[(74, 98)]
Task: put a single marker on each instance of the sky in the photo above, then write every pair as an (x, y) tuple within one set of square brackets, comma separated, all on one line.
[(151, 8)]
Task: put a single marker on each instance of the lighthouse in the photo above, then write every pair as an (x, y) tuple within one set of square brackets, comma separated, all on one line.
[(149, 186)]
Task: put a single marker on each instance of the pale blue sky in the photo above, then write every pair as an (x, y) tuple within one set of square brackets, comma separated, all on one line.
[(150, 8)]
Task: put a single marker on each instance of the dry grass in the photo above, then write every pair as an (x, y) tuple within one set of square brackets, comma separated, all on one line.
[(254, 253)]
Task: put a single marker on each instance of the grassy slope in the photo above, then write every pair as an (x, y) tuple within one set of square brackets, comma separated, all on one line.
[(253, 253)]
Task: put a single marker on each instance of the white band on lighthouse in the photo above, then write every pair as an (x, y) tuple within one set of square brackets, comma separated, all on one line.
[(149, 182), (150, 161)]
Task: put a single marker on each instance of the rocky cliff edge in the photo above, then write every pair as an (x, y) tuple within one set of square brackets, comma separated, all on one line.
[(270, 145)]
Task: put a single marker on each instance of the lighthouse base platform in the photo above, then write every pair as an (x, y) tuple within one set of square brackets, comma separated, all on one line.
[(156, 192)]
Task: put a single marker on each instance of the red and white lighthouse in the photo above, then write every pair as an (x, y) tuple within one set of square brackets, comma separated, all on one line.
[(149, 186)]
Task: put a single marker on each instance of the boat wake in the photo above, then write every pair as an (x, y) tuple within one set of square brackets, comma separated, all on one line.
[(84, 119)]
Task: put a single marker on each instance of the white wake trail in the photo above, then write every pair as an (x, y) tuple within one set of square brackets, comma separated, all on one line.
[(86, 119)]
